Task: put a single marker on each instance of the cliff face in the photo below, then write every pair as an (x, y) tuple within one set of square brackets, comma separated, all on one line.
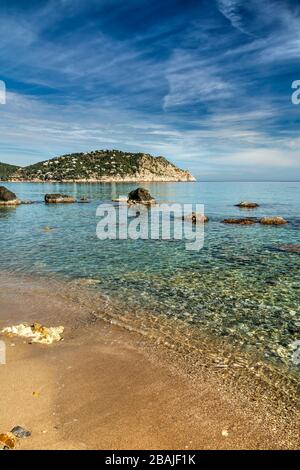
[(103, 166)]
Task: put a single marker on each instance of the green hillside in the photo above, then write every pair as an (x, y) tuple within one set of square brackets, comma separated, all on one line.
[(7, 170)]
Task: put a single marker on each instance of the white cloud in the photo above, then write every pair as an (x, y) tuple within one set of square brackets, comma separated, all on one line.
[(192, 80)]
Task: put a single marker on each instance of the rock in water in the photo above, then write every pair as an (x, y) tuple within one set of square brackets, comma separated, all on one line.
[(196, 218), (84, 200), (247, 205), (240, 221), (8, 198), (20, 432), (58, 198), (289, 248), (140, 196), (273, 221)]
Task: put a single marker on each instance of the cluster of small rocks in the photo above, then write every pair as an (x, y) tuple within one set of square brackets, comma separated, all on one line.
[(9, 440)]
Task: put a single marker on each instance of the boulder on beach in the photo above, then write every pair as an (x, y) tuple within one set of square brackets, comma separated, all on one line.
[(140, 196), (195, 218), (273, 221), (240, 221), (58, 198), (247, 205), (8, 198)]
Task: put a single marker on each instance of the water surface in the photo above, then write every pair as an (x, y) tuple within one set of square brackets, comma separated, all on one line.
[(239, 286)]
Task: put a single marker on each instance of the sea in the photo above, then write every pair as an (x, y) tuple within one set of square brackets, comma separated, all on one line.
[(242, 286)]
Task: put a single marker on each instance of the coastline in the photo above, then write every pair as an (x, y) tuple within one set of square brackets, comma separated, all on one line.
[(129, 392), (107, 180)]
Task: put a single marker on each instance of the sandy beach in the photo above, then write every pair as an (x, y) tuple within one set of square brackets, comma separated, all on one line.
[(103, 387)]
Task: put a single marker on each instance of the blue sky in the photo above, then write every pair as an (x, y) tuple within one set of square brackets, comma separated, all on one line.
[(205, 83)]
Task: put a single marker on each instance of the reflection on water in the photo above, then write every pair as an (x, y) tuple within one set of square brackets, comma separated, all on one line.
[(239, 287)]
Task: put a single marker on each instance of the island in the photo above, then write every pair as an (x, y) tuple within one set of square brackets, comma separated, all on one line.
[(98, 166)]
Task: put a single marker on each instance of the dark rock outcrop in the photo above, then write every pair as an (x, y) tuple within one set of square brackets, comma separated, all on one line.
[(140, 196), (58, 198), (8, 198)]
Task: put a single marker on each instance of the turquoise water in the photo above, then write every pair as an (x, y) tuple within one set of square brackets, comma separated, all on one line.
[(239, 286)]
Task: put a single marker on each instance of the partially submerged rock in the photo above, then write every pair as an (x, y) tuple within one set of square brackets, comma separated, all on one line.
[(121, 199), (58, 198), (84, 200), (247, 205), (8, 198), (36, 333), (196, 218), (140, 196), (240, 221), (273, 221)]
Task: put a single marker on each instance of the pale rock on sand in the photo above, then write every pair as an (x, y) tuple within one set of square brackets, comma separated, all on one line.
[(36, 332)]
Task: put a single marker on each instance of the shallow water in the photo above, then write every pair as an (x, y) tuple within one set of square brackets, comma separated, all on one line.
[(239, 286)]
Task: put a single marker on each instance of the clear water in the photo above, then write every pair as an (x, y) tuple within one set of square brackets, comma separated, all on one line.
[(239, 286)]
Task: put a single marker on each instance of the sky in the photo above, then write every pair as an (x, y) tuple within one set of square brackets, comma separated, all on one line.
[(205, 83)]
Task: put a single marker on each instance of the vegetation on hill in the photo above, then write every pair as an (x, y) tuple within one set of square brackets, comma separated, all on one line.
[(6, 171), (103, 165)]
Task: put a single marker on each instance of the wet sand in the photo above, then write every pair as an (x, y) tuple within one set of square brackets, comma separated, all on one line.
[(103, 387)]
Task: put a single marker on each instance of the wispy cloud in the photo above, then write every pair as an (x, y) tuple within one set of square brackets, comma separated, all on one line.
[(207, 85)]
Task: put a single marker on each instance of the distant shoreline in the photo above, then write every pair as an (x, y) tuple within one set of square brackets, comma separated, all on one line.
[(101, 181)]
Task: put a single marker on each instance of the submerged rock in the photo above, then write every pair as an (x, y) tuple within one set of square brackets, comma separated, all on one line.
[(58, 198), (88, 282), (36, 333), (273, 221), (8, 198), (140, 196), (196, 218), (247, 205), (20, 432), (289, 248), (240, 221)]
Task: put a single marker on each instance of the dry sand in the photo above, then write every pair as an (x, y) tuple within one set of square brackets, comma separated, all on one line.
[(107, 388)]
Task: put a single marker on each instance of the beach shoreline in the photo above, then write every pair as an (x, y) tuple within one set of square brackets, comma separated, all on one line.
[(105, 387)]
